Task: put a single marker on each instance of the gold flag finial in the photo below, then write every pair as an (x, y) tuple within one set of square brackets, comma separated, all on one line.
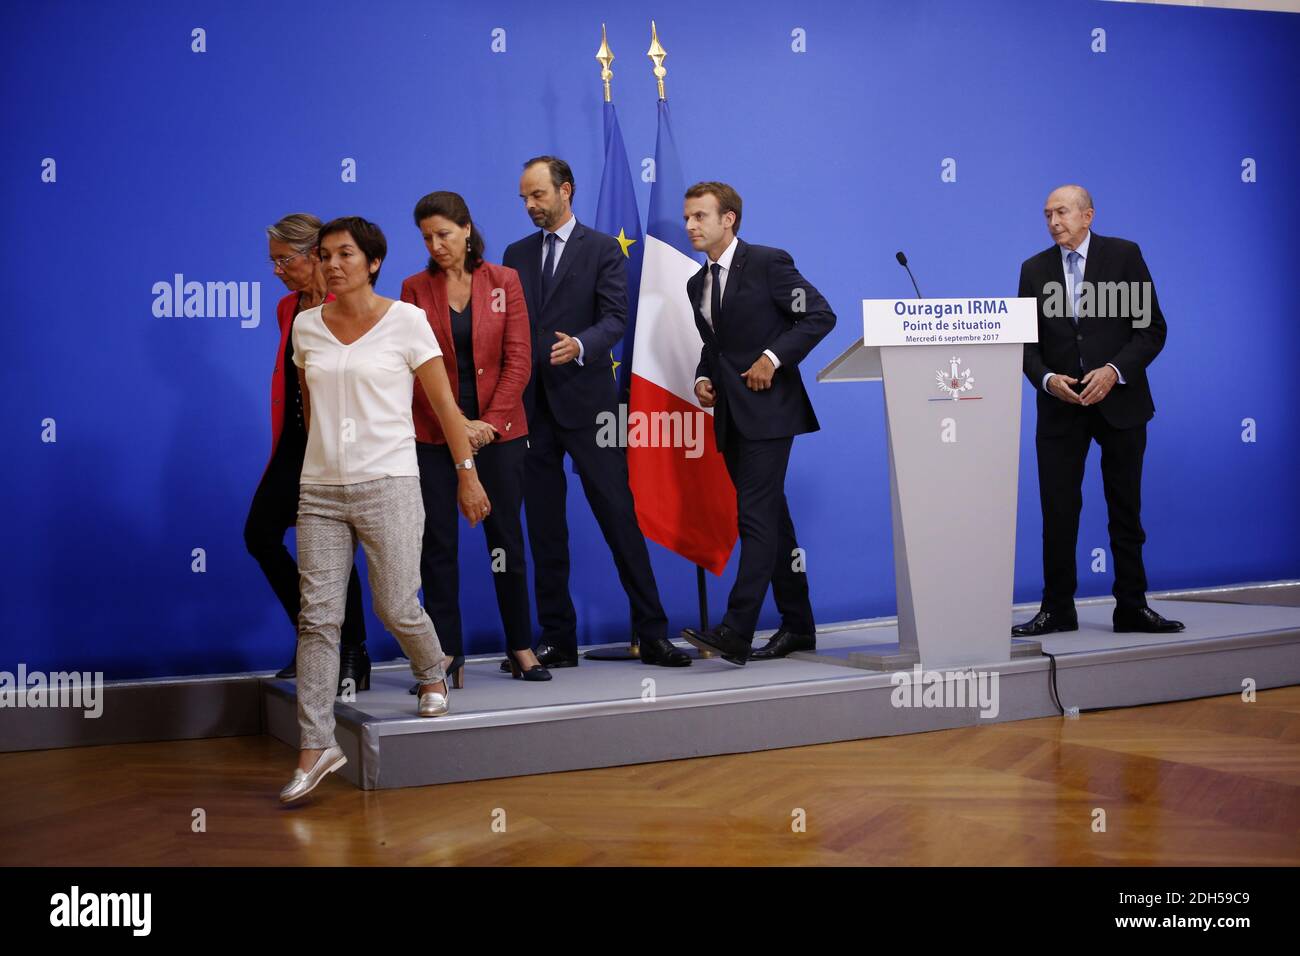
[(606, 56), (657, 54)]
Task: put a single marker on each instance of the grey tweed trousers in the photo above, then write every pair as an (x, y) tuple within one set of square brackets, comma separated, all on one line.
[(386, 516)]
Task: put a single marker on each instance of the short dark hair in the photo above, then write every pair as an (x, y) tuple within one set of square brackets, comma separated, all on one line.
[(560, 172), (368, 237), (451, 206), (728, 199)]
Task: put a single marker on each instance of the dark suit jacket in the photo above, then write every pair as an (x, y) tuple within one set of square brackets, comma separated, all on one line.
[(503, 355), (588, 300), (760, 310), (1098, 340)]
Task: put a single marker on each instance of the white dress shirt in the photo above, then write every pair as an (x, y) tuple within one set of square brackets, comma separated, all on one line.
[(361, 427), (706, 295), (562, 235), (1069, 290)]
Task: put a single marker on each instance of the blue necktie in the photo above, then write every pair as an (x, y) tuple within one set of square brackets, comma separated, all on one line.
[(1073, 257), (548, 266)]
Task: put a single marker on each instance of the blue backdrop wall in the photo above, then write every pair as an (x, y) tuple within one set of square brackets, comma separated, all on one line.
[(166, 161)]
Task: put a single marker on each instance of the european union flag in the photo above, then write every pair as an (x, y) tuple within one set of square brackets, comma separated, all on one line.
[(616, 214)]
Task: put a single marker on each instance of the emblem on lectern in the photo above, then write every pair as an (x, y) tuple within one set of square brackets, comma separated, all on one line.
[(956, 380)]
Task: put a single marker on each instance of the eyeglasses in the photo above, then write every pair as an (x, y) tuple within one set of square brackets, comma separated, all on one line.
[(282, 262)]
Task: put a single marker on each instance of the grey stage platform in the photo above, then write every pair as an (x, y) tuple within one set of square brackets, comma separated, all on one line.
[(604, 714)]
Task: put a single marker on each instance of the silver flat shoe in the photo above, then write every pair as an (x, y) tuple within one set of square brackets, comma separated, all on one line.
[(433, 703), (304, 782)]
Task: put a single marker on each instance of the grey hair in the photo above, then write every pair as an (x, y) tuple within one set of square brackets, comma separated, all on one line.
[(298, 229)]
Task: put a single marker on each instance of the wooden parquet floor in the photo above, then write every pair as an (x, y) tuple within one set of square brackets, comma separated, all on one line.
[(1204, 782)]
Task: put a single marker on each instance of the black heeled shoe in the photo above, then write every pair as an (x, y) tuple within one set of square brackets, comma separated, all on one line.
[(455, 675), (549, 656), (536, 672), (354, 665)]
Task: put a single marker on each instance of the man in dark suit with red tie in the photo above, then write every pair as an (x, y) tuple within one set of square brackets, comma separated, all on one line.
[(575, 284), (1089, 369), (758, 318)]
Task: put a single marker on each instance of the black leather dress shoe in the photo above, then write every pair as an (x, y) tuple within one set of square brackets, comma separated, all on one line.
[(1045, 622), (722, 640), (660, 650), (784, 642), (290, 670), (1146, 620), (354, 665), (548, 656)]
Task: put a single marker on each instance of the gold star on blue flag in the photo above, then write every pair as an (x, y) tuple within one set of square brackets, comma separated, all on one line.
[(625, 243)]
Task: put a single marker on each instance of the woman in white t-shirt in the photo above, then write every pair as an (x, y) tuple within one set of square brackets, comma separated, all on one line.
[(358, 358)]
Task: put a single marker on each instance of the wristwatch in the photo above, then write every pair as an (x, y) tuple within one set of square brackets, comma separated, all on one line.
[(466, 465)]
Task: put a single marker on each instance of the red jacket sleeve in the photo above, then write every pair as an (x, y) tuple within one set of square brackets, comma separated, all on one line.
[(516, 356)]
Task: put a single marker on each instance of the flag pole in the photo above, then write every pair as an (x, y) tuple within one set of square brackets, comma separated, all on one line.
[(605, 56), (657, 54)]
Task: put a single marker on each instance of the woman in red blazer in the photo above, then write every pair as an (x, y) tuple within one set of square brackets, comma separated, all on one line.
[(274, 509), (479, 317)]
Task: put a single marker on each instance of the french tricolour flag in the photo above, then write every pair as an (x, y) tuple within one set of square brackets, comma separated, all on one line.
[(685, 503)]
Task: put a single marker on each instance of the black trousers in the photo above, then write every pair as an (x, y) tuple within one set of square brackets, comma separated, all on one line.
[(767, 538), (501, 470), (1061, 460), (273, 512), (603, 472)]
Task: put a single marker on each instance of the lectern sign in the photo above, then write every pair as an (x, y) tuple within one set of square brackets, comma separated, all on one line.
[(949, 321)]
